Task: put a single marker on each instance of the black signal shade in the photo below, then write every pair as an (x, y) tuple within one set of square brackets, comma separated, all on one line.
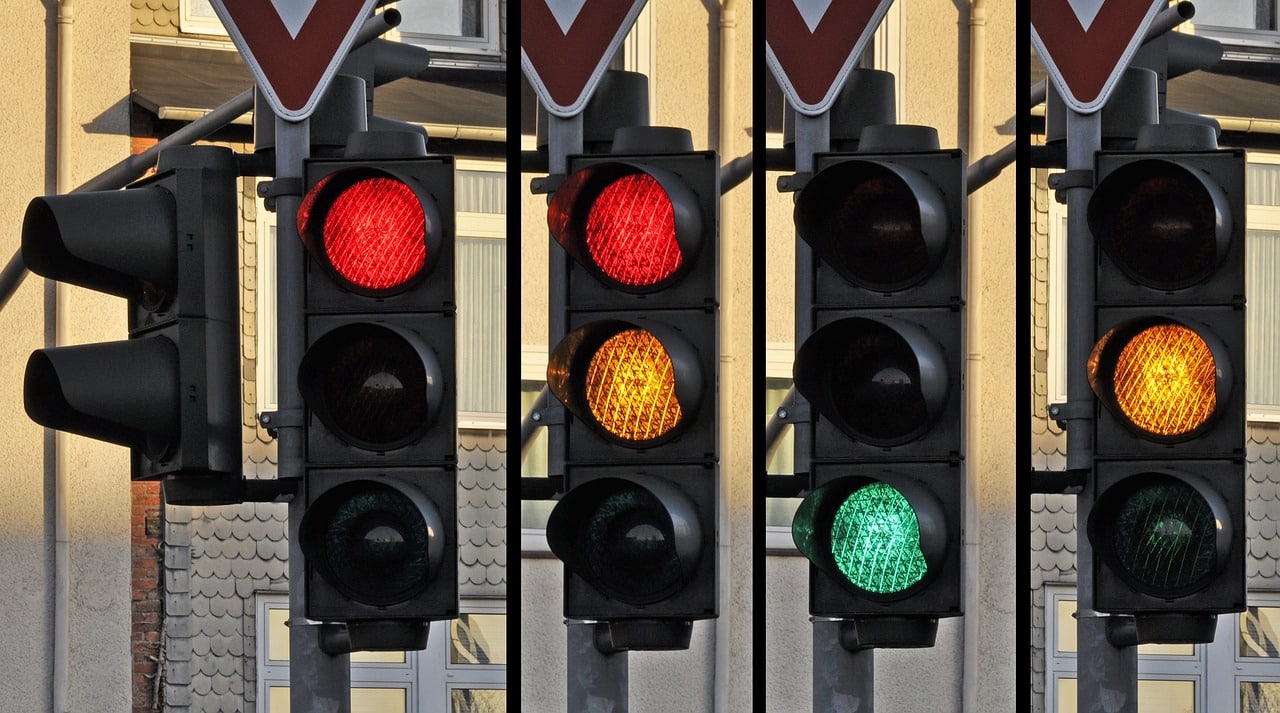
[(637, 383), (1164, 224), (377, 544), (376, 386), (637, 540), (636, 228), (372, 229), (1166, 534), (882, 381), (881, 226), (1165, 379)]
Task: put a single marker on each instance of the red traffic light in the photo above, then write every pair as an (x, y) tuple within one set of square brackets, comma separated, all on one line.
[(372, 229), (882, 226), (1166, 225), (635, 228)]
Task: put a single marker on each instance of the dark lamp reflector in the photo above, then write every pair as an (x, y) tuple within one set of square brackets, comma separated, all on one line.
[(1166, 230), (875, 540), (876, 232), (630, 547), (631, 387), (369, 385), (374, 232), (876, 386), (631, 232), (1165, 380), (375, 546), (1165, 537)]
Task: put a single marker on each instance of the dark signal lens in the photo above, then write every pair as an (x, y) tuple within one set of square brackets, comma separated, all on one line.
[(876, 233), (1165, 536), (369, 385), (631, 232), (876, 386), (376, 546), (630, 547)]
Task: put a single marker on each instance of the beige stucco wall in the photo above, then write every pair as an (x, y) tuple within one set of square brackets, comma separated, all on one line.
[(98, 474), (933, 88), (684, 83)]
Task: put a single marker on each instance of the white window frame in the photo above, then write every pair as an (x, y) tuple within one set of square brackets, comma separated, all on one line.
[(427, 676), (779, 357), (1263, 217), (198, 18), (482, 226), (487, 44), (1215, 666)]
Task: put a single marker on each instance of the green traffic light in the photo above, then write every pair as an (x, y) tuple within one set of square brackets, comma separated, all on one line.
[(1165, 536), (875, 540)]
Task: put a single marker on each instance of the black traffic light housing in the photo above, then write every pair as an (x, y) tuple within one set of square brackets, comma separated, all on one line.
[(636, 369), (168, 244), (1168, 372), (880, 363), (379, 380)]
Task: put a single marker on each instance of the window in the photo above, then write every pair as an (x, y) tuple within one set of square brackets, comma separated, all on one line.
[(1262, 256), (1237, 14), (533, 513), (1241, 665), (464, 672), (469, 26), (779, 511), (198, 17)]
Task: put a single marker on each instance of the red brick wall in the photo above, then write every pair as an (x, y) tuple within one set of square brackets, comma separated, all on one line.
[(147, 557)]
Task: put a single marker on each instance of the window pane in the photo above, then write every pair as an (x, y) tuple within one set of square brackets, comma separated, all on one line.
[(783, 461), (379, 700), (482, 325), (1258, 632), (535, 462), (377, 657), (478, 700), (479, 639), (1262, 180), (1259, 696), (452, 18), (1154, 696), (1262, 295), (277, 634), (1066, 626), (1245, 14), (481, 192)]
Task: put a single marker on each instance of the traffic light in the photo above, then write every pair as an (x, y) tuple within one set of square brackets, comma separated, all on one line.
[(1168, 369), (636, 371), (378, 380), (171, 393), (881, 370)]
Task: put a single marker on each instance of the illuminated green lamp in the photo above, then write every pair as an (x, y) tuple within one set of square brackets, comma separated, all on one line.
[(879, 538)]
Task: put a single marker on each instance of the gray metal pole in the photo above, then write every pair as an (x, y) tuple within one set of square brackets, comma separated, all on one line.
[(597, 681), (317, 681), (1108, 675), (842, 679)]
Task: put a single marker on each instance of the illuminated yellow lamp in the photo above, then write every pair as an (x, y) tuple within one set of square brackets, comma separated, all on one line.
[(1165, 380), (631, 387)]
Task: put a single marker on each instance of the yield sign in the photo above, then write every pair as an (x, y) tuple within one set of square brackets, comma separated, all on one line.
[(293, 47), (565, 45), (1086, 44), (812, 44)]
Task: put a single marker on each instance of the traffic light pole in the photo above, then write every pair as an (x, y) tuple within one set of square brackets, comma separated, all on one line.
[(595, 679), (1108, 674), (841, 677), (317, 681)]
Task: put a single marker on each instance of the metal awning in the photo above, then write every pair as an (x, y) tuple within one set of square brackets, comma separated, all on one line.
[(184, 83)]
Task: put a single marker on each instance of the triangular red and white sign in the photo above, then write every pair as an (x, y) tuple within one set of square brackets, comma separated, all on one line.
[(293, 47), (812, 44), (565, 46), (1086, 44)]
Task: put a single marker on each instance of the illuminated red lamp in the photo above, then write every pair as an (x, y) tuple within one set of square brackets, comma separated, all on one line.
[(636, 229), (373, 231)]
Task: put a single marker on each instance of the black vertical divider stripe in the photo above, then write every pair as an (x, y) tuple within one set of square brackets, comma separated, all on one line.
[(514, 131)]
